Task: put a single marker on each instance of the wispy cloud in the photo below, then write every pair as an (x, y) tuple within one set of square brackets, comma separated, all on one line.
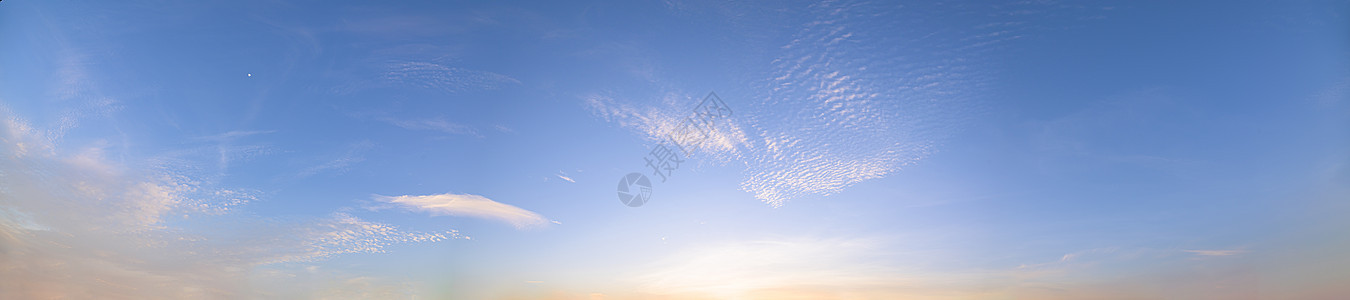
[(563, 176), (86, 227), (467, 205), (655, 121), (228, 150), (343, 233), (354, 153), (433, 124), (833, 111), (235, 134), (1216, 252), (421, 123), (83, 95), (421, 74), (445, 78)]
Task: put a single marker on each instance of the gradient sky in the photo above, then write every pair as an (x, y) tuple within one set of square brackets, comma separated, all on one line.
[(877, 150)]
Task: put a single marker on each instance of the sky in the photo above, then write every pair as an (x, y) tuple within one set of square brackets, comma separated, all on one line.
[(845, 149)]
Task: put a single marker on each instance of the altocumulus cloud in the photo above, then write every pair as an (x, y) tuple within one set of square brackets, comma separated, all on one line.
[(467, 205)]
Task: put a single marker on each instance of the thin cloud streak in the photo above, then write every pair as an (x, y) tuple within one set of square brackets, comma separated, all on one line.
[(467, 205), (436, 124), (355, 154), (1216, 252), (425, 75), (563, 176)]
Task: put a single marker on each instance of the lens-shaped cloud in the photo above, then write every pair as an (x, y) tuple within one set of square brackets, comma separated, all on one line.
[(467, 205)]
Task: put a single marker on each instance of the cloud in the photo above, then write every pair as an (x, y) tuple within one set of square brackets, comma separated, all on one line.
[(860, 90), (563, 176), (77, 88), (1216, 252), (235, 134), (81, 226), (354, 154), (468, 206), (440, 77), (855, 95), (228, 152), (657, 122), (419, 74), (439, 124), (343, 234), (833, 111), (434, 124)]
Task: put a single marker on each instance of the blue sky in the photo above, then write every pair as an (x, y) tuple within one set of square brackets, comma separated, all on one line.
[(876, 150)]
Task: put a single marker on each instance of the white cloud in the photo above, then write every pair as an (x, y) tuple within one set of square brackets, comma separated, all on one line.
[(1216, 252), (468, 206), (657, 122), (563, 176), (344, 234)]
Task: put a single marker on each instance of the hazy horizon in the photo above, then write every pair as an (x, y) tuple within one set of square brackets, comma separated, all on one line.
[(846, 149)]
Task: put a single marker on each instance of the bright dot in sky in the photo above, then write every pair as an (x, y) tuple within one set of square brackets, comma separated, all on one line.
[(250, 74)]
